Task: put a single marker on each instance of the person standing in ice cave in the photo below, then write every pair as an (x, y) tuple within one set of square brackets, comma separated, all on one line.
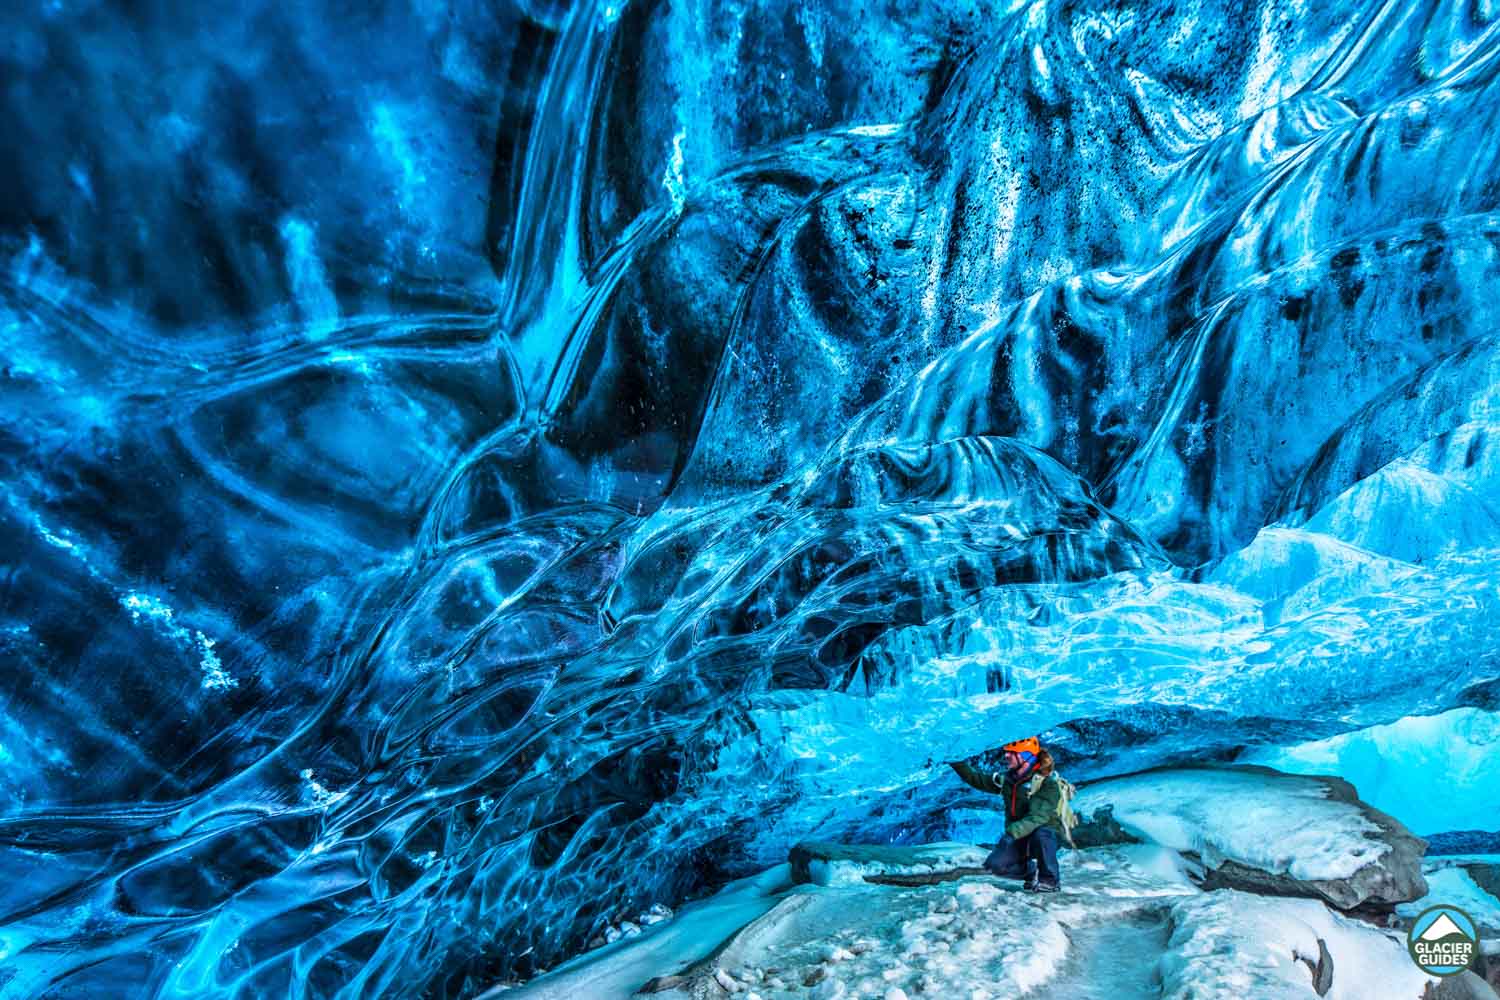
[(1037, 813)]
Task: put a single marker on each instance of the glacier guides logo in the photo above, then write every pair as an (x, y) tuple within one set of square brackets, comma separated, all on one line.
[(1443, 941)]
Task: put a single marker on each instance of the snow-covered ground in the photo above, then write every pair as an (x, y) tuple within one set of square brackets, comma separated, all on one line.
[(972, 937), (1234, 946), (1128, 924), (1131, 922)]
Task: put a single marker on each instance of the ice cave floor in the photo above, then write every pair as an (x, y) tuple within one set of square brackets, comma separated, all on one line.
[(1133, 920)]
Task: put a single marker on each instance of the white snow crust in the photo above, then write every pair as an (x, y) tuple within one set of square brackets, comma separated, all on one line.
[(1234, 946), (1275, 823)]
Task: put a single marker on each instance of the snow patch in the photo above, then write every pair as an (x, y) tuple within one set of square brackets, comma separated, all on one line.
[(1230, 945), (966, 939), (1275, 823), (981, 938)]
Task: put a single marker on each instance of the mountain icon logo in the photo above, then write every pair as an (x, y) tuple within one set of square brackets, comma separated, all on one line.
[(1443, 941), (1442, 927)]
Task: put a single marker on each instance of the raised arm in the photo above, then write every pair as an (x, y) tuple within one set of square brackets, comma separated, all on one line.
[(975, 778)]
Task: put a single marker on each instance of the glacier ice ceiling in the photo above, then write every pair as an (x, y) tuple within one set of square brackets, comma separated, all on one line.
[(474, 470)]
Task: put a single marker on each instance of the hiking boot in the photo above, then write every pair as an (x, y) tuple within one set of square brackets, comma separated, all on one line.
[(1030, 885), (1041, 885)]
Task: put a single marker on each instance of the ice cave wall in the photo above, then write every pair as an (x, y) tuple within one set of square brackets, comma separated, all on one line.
[(470, 471)]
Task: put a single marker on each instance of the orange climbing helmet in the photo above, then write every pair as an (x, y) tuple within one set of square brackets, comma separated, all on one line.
[(1030, 745)]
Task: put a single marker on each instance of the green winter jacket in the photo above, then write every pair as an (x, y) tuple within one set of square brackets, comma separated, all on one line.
[(1029, 804)]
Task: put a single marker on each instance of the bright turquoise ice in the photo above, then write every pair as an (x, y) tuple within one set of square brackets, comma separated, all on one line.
[(467, 474)]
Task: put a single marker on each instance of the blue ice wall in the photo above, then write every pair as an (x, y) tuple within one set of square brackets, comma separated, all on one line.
[(468, 472)]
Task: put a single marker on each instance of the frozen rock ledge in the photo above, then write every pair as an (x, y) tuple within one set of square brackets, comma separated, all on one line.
[(1259, 830)]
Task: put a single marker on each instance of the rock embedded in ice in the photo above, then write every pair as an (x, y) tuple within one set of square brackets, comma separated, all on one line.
[(1485, 873), (1464, 986), (1261, 830), (1321, 968), (1100, 829)]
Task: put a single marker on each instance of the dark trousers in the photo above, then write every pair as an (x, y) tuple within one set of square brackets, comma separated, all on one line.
[(1012, 858)]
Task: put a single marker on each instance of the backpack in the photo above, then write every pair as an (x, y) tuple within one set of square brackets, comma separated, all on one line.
[(1066, 817)]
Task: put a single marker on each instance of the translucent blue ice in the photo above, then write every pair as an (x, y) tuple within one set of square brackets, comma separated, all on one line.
[(469, 473)]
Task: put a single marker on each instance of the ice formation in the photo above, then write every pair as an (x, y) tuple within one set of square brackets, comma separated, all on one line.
[(1435, 773), (471, 473)]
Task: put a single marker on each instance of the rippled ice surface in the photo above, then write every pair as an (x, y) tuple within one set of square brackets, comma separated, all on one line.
[(467, 474)]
